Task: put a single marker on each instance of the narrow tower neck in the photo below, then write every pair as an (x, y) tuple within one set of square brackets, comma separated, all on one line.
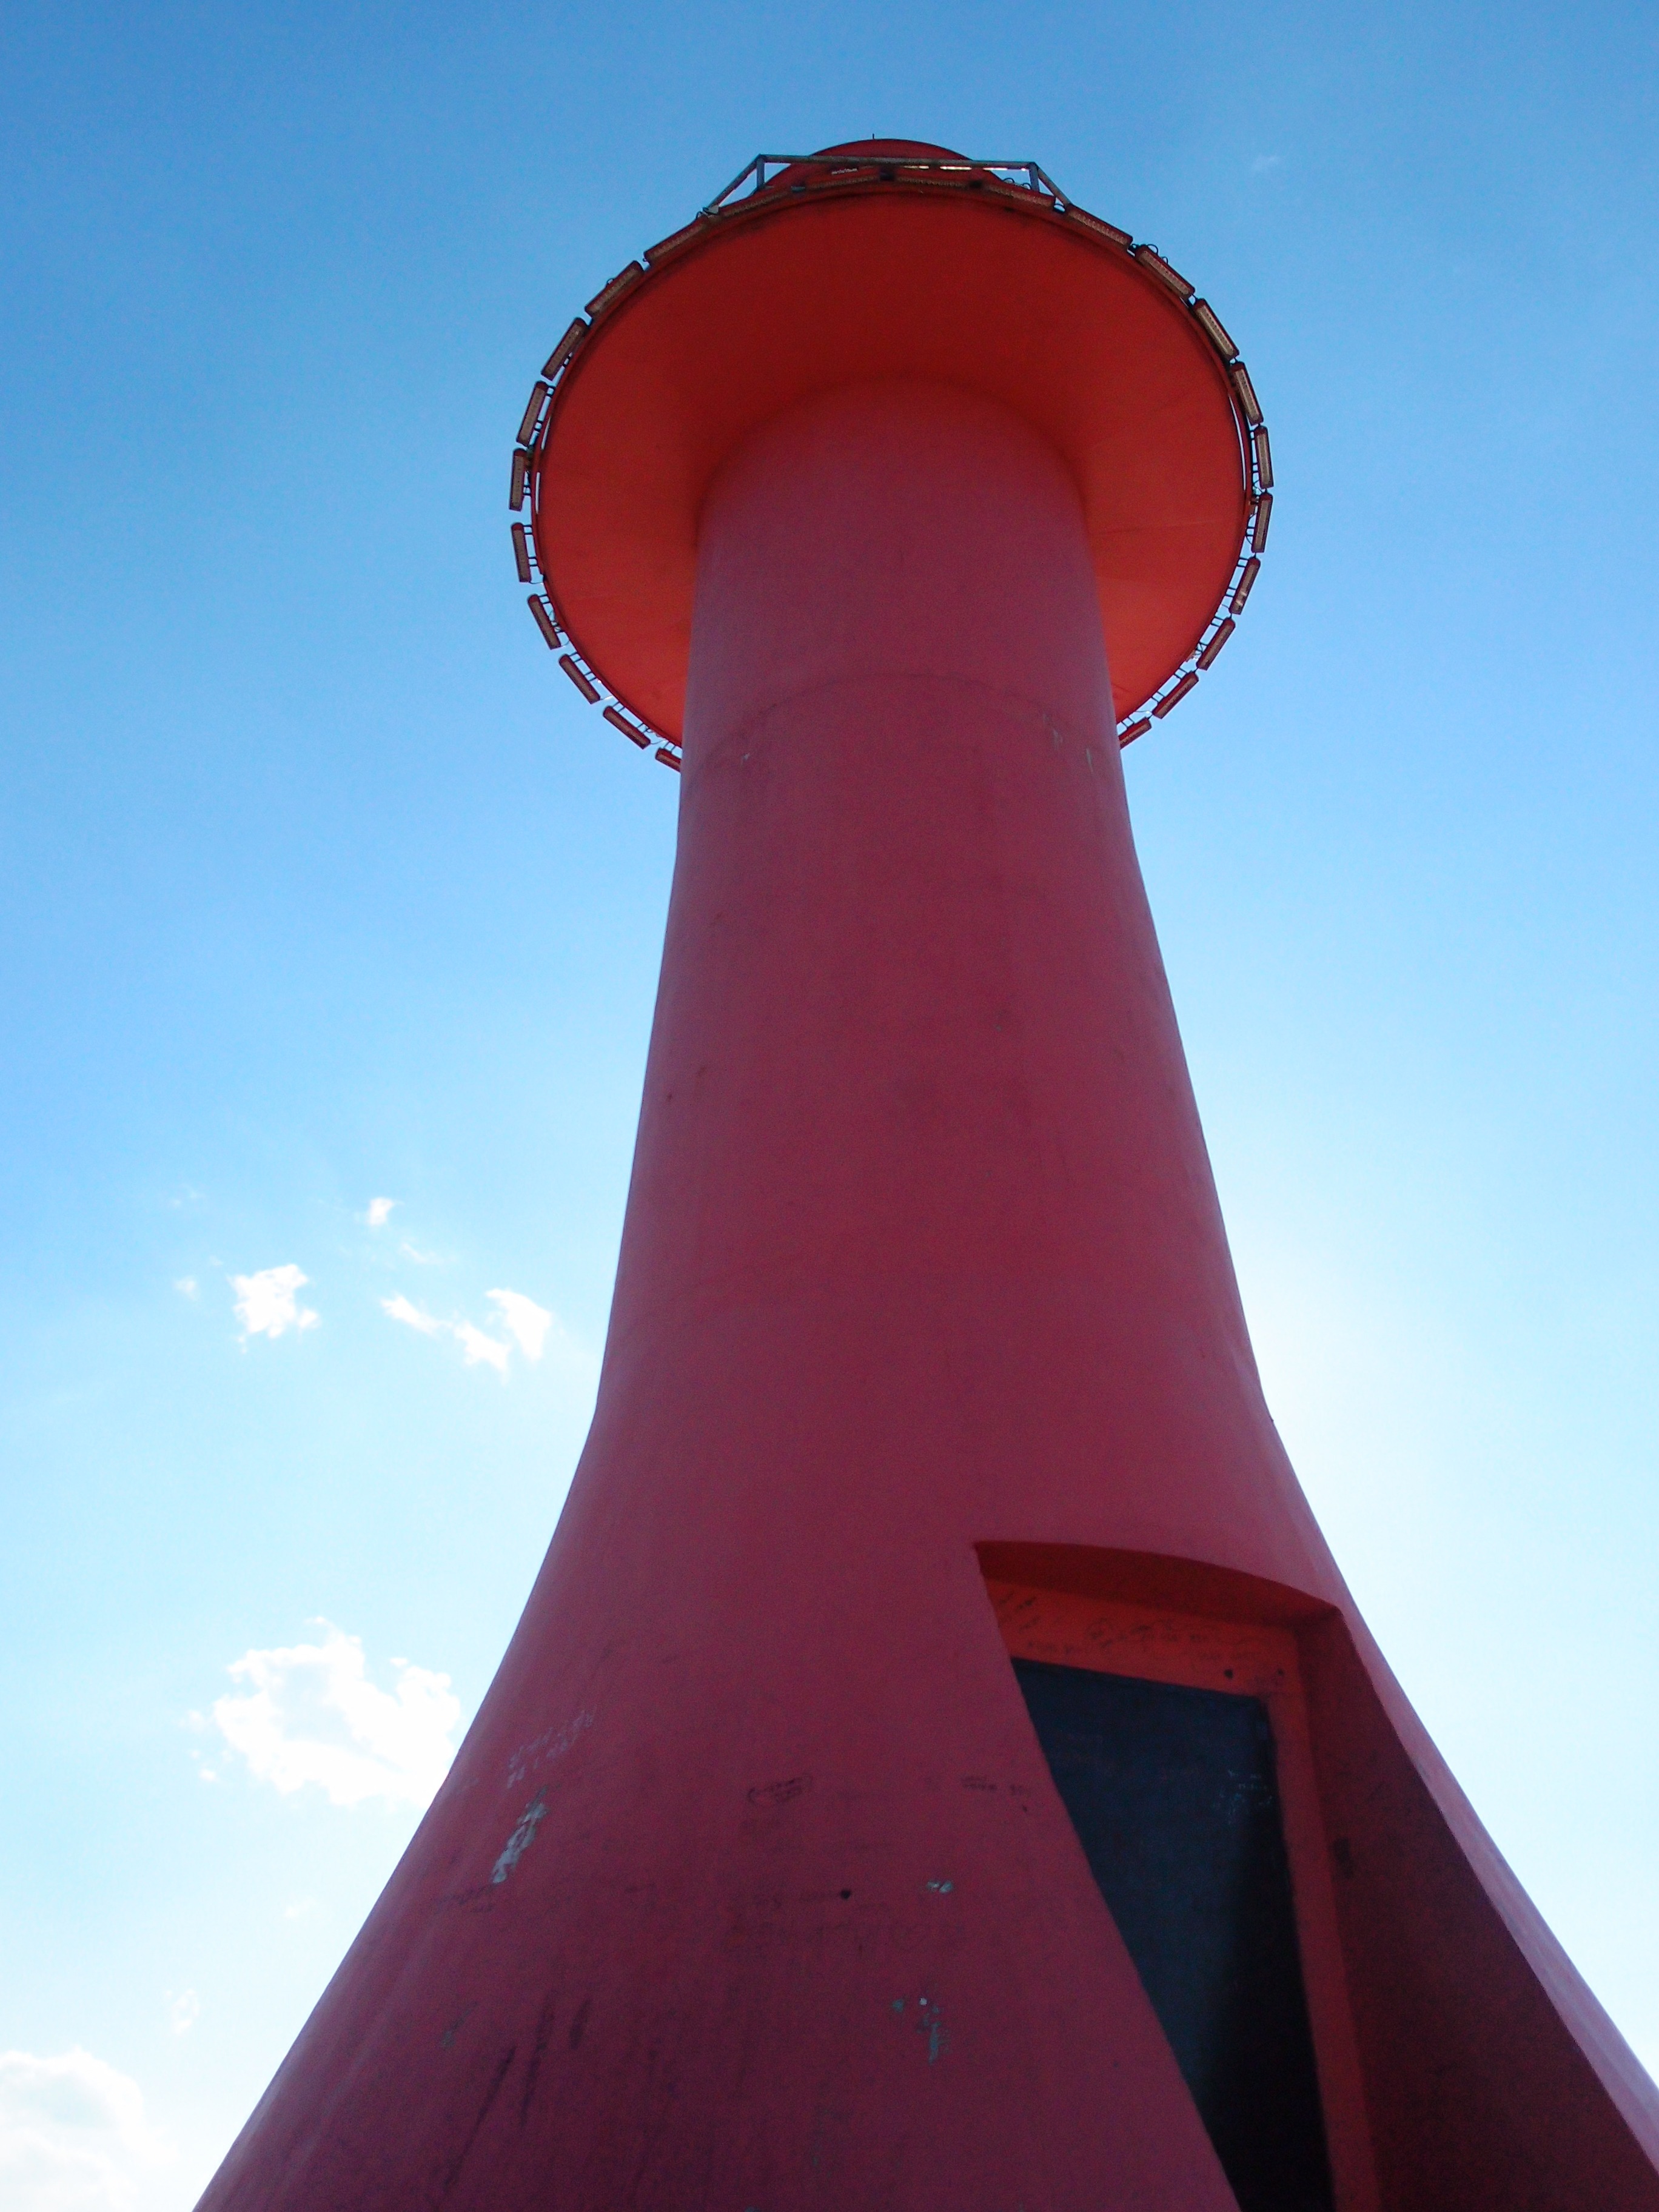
[(892, 530), (914, 1040)]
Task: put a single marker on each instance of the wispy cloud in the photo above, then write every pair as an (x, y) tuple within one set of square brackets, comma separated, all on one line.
[(267, 1304), (74, 2136), (526, 1322), (184, 2011), (528, 1328), (481, 1350), (1265, 164), (187, 1286), (379, 1212), (408, 1251), (411, 1315), (309, 1714)]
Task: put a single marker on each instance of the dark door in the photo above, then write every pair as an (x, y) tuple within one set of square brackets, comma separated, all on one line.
[(1175, 1799)]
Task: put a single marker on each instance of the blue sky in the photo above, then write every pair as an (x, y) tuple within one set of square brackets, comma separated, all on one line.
[(320, 887)]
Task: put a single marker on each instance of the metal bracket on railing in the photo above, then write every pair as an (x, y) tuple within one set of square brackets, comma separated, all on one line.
[(888, 168)]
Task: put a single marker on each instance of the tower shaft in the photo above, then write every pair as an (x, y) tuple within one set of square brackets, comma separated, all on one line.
[(750, 1885)]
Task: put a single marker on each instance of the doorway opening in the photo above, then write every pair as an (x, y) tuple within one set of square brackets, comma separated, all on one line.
[(1174, 1729), (1174, 1795)]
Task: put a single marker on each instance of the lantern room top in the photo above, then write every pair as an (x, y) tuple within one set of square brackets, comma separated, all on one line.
[(887, 258)]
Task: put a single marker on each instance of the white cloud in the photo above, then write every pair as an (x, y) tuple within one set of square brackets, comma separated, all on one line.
[(379, 1212), (310, 1714), (481, 1350), (184, 2011), (531, 1328), (1265, 164), (411, 1316), (266, 1305), (73, 2136), (524, 1320), (187, 1286), (408, 1251)]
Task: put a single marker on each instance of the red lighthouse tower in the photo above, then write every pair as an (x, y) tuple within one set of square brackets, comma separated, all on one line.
[(939, 1768)]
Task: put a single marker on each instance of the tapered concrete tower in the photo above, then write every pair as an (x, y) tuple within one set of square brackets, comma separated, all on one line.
[(940, 1768)]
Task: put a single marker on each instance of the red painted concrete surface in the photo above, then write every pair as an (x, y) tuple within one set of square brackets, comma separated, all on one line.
[(749, 1888)]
